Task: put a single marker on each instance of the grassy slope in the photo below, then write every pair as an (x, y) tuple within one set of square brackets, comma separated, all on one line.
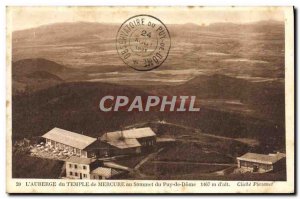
[(25, 166), (74, 106)]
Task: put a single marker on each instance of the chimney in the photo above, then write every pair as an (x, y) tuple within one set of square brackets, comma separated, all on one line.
[(122, 134)]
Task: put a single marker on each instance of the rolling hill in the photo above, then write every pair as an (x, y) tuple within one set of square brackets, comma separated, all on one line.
[(72, 106), (259, 99), (31, 75), (27, 66)]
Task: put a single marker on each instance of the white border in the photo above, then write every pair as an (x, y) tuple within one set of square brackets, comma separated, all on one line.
[(114, 2)]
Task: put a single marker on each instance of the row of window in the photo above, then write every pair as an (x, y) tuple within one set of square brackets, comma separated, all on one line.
[(76, 174), (98, 177), (251, 164), (75, 166), (148, 142)]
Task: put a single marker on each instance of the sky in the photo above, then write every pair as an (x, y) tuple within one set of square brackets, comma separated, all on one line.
[(28, 17)]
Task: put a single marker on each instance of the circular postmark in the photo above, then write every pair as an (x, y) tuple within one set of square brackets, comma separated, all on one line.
[(143, 42)]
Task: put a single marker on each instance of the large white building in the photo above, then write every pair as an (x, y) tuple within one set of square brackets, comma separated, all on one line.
[(66, 140)]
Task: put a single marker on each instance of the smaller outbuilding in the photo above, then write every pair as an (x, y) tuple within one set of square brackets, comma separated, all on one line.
[(261, 163), (102, 173), (90, 168), (80, 168)]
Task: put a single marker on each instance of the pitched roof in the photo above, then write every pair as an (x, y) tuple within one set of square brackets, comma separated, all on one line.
[(133, 133), (127, 138), (115, 166), (106, 172), (139, 133), (123, 143), (80, 160), (262, 158), (69, 138)]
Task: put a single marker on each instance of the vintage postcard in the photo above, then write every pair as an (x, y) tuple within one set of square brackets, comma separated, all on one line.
[(150, 100)]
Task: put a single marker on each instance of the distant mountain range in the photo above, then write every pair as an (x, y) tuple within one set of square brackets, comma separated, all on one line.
[(64, 32), (82, 45)]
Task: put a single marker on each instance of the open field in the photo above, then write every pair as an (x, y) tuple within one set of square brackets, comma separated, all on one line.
[(131, 161), (193, 152), (166, 170)]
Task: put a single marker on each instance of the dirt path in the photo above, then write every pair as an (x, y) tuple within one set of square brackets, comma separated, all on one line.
[(63, 171), (249, 142), (116, 166), (199, 131), (194, 163), (147, 158)]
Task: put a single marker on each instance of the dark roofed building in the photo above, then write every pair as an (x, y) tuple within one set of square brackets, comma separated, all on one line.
[(69, 141), (130, 141), (261, 163)]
